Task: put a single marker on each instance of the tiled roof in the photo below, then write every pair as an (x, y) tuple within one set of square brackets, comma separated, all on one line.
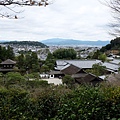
[(79, 75), (61, 62), (55, 72), (79, 63), (70, 69), (111, 66), (8, 61), (84, 63), (115, 61), (87, 78)]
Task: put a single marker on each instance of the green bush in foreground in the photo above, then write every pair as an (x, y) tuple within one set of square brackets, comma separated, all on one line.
[(60, 103), (91, 103)]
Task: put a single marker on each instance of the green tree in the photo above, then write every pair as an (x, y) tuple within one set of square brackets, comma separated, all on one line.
[(34, 62), (50, 61), (65, 54), (6, 53), (28, 63), (97, 70), (21, 61), (69, 81), (44, 68), (96, 54), (102, 57), (9, 53), (14, 78)]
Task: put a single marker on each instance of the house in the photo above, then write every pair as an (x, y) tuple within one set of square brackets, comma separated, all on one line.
[(7, 66), (70, 69), (76, 71), (111, 67), (87, 78), (84, 64)]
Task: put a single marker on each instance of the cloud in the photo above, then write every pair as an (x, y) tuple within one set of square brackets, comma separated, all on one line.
[(64, 19)]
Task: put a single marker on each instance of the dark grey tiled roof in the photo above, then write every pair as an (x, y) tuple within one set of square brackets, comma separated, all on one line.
[(8, 61)]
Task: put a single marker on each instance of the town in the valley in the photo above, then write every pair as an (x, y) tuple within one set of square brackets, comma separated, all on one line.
[(85, 64)]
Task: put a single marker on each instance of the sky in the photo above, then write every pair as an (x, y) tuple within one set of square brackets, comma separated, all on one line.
[(77, 19)]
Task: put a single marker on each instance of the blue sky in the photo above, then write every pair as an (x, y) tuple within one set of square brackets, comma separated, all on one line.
[(78, 19)]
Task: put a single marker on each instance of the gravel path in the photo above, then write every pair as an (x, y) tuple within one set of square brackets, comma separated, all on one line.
[(56, 81)]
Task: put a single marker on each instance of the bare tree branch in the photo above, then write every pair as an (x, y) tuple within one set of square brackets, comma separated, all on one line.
[(8, 3), (24, 2), (114, 5)]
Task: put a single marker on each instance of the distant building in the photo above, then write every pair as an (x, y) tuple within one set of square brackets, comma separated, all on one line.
[(7, 66)]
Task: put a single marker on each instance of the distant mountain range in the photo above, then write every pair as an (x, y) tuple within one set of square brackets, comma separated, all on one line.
[(61, 42), (58, 41)]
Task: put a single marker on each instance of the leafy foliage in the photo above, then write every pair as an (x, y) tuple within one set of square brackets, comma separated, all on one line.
[(65, 54), (60, 103), (6, 53), (97, 70), (114, 45), (68, 80), (88, 103), (28, 62)]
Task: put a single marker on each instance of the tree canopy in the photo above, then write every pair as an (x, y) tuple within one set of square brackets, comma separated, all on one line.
[(97, 70), (65, 54), (6, 53), (114, 45)]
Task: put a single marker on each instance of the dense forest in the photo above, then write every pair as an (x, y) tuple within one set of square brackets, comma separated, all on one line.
[(23, 43)]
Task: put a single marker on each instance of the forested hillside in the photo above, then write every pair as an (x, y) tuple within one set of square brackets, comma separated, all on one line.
[(114, 45), (29, 43)]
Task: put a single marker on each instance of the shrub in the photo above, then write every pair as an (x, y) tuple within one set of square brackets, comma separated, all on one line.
[(90, 103), (14, 104)]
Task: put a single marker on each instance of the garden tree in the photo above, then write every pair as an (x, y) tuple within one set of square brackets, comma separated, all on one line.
[(102, 57), (6, 53), (28, 62), (35, 67), (44, 69), (1, 54), (9, 53), (32, 76), (11, 4), (69, 81), (65, 53), (50, 57), (96, 54), (21, 61), (14, 78), (97, 70), (50, 61), (35, 62), (2, 80)]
